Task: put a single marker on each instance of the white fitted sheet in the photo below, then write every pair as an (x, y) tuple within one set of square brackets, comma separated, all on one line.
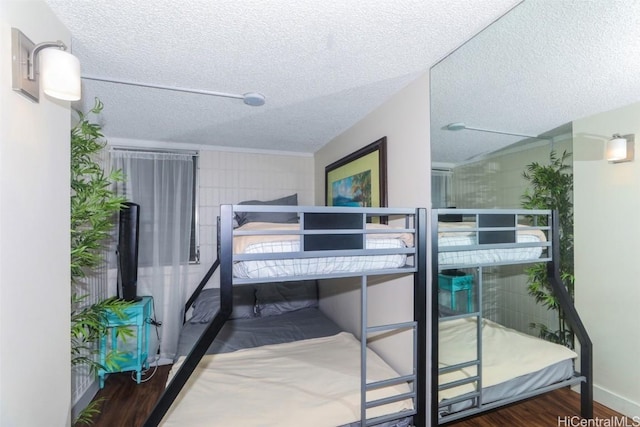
[(315, 382), (487, 256), (255, 269), (507, 354)]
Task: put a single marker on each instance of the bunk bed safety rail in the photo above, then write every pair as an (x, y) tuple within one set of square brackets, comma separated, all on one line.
[(482, 237), (319, 240)]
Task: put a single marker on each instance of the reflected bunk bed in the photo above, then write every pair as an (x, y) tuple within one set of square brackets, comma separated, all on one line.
[(314, 375), (477, 364)]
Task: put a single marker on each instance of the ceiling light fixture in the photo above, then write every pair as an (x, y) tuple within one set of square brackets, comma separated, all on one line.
[(58, 70), (461, 126), (620, 148), (253, 99)]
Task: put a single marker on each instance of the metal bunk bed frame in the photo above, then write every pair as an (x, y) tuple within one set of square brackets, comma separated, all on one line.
[(584, 377), (419, 378)]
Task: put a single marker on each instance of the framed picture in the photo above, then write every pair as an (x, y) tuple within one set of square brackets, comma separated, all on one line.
[(359, 179)]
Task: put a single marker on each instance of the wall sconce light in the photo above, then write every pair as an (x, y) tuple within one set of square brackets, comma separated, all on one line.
[(620, 148), (58, 70)]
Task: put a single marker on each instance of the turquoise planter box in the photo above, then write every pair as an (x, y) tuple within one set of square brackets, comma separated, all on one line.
[(136, 353), (454, 284)]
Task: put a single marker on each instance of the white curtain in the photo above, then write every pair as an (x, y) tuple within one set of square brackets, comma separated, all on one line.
[(440, 188), (162, 184)]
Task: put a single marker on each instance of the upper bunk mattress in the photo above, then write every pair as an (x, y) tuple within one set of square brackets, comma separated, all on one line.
[(269, 244), (454, 234)]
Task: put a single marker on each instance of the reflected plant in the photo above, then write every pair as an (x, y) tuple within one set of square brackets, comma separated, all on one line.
[(552, 188)]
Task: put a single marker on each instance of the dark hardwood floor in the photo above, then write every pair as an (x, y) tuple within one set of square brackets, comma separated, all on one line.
[(554, 409), (127, 404)]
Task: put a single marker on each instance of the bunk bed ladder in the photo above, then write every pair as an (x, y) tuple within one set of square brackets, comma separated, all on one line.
[(417, 378), (366, 386), (436, 370), (475, 364)]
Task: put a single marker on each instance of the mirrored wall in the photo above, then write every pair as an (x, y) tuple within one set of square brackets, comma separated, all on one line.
[(510, 95), (534, 71)]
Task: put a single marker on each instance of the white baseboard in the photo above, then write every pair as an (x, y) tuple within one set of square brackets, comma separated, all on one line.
[(163, 361), (616, 402), (85, 399)]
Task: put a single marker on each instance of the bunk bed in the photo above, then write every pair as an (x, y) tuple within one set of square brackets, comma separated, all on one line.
[(474, 371), (262, 256)]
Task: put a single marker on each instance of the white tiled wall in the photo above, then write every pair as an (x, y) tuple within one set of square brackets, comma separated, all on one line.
[(95, 287), (497, 182), (231, 177)]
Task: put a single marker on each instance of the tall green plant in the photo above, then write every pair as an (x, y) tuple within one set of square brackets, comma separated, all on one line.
[(552, 188), (93, 205)]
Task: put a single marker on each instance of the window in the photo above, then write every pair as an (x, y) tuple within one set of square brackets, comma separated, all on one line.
[(164, 184), (440, 188)]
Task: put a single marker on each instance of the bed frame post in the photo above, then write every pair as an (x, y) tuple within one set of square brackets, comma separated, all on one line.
[(201, 286), (571, 315), (433, 337), (207, 337), (421, 309)]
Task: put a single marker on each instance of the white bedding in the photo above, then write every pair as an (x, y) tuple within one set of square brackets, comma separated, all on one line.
[(257, 244), (486, 256), (241, 242), (507, 354), (447, 237), (255, 269), (313, 382)]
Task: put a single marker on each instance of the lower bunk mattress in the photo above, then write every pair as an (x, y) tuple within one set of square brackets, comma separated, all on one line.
[(291, 368), (512, 362), (296, 368)]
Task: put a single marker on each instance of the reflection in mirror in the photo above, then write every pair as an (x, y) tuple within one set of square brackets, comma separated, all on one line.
[(535, 70), (515, 93)]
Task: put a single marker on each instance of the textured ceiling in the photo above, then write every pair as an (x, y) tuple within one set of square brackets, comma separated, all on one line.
[(321, 64), (539, 67)]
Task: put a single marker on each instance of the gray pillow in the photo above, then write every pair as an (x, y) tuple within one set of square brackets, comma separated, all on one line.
[(446, 311), (273, 299), (281, 217), (208, 303)]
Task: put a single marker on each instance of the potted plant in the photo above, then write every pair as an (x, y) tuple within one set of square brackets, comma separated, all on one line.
[(93, 206), (552, 188)]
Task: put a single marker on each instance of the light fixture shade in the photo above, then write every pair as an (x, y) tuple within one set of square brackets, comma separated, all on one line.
[(60, 74), (619, 149)]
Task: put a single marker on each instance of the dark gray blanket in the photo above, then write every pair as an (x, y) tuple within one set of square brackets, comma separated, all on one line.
[(246, 333)]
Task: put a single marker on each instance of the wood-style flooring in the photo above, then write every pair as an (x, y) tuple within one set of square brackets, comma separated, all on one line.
[(127, 404)]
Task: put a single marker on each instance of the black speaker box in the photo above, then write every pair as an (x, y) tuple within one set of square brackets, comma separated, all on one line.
[(127, 252)]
